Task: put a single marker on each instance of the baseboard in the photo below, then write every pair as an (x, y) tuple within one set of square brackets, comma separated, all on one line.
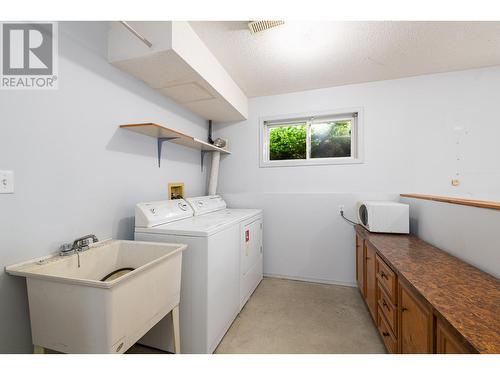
[(311, 280)]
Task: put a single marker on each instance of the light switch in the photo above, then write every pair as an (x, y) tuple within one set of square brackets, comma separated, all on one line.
[(6, 182)]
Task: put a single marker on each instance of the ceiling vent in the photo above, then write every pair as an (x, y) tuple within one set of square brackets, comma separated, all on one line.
[(258, 26)]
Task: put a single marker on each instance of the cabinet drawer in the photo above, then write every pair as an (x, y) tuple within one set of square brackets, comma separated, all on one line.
[(387, 279), (388, 337), (387, 307)]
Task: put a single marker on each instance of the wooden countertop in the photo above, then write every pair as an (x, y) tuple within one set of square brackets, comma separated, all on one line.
[(466, 297)]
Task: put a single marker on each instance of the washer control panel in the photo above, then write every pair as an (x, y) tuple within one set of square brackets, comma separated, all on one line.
[(151, 214), (207, 204)]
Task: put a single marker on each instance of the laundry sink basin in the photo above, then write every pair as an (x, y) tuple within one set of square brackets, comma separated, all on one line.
[(73, 311)]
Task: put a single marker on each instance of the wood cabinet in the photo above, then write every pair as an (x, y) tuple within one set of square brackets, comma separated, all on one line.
[(371, 281), (360, 265), (388, 337), (447, 342), (366, 275), (387, 279), (415, 323), (387, 304), (398, 276), (404, 322), (387, 308)]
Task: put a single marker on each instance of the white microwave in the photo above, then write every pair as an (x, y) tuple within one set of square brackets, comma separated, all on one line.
[(384, 217)]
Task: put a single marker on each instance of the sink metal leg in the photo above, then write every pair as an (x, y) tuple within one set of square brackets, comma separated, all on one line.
[(175, 324), (38, 349)]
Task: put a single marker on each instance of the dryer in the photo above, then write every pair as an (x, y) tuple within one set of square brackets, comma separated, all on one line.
[(251, 239)]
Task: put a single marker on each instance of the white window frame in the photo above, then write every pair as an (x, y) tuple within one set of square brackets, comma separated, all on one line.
[(354, 114)]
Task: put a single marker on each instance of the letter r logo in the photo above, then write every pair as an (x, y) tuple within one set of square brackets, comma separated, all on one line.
[(27, 49)]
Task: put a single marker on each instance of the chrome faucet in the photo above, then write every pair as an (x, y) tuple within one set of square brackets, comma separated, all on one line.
[(79, 245), (82, 243)]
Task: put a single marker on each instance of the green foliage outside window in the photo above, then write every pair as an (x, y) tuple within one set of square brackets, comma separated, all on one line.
[(329, 139), (287, 142)]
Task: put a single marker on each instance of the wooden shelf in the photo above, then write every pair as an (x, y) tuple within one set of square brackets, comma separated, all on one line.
[(158, 131), (464, 202), (162, 134)]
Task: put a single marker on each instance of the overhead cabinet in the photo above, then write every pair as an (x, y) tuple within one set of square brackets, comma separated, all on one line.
[(171, 58)]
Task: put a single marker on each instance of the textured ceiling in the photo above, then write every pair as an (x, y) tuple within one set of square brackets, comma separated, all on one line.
[(308, 55)]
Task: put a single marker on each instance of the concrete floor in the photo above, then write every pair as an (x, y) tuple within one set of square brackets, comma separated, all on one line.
[(285, 316)]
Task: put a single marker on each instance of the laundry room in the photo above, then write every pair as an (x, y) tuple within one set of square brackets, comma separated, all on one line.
[(179, 181)]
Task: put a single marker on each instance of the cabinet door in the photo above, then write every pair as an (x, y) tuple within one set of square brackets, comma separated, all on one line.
[(447, 342), (360, 265), (415, 323), (371, 280)]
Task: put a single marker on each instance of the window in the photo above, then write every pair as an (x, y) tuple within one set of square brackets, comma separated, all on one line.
[(310, 140)]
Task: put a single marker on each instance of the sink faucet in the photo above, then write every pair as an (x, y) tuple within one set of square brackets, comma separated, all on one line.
[(82, 243), (79, 245)]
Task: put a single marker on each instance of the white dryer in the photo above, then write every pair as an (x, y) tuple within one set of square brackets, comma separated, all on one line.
[(250, 244), (221, 245)]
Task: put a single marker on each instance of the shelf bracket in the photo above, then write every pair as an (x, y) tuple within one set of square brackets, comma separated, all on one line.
[(160, 143)]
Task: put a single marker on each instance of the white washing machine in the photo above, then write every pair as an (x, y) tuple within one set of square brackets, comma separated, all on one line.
[(223, 261)]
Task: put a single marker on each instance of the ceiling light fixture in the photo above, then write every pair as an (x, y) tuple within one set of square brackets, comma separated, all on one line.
[(258, 26)]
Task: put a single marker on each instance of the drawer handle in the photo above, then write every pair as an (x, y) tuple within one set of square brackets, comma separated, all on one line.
[(385, 304), (385, 334), (383, 275), (403, 309)]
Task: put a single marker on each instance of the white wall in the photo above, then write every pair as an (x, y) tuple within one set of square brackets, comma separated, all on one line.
[(75, 171), (411, 130), (463, 231), (304, 237)]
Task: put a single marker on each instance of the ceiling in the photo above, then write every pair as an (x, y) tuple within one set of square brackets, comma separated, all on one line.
[(308, 55)]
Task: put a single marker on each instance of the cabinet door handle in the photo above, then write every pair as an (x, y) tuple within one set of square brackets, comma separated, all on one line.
[(403, 309), (385, 304), (383, 275), (385, 334)]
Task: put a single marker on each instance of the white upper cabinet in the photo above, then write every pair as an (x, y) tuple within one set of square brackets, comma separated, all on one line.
[(179, 65)]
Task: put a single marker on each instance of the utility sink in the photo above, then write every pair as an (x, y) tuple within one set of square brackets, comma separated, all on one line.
[(73, 311)]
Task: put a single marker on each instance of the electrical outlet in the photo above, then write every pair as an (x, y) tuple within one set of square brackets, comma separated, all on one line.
[(6, 182), (341, 208)]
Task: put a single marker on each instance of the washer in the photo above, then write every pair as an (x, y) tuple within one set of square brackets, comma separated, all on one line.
[(221, 267)]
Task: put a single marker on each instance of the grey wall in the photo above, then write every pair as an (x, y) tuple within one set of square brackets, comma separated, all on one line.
[(75, 171)]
